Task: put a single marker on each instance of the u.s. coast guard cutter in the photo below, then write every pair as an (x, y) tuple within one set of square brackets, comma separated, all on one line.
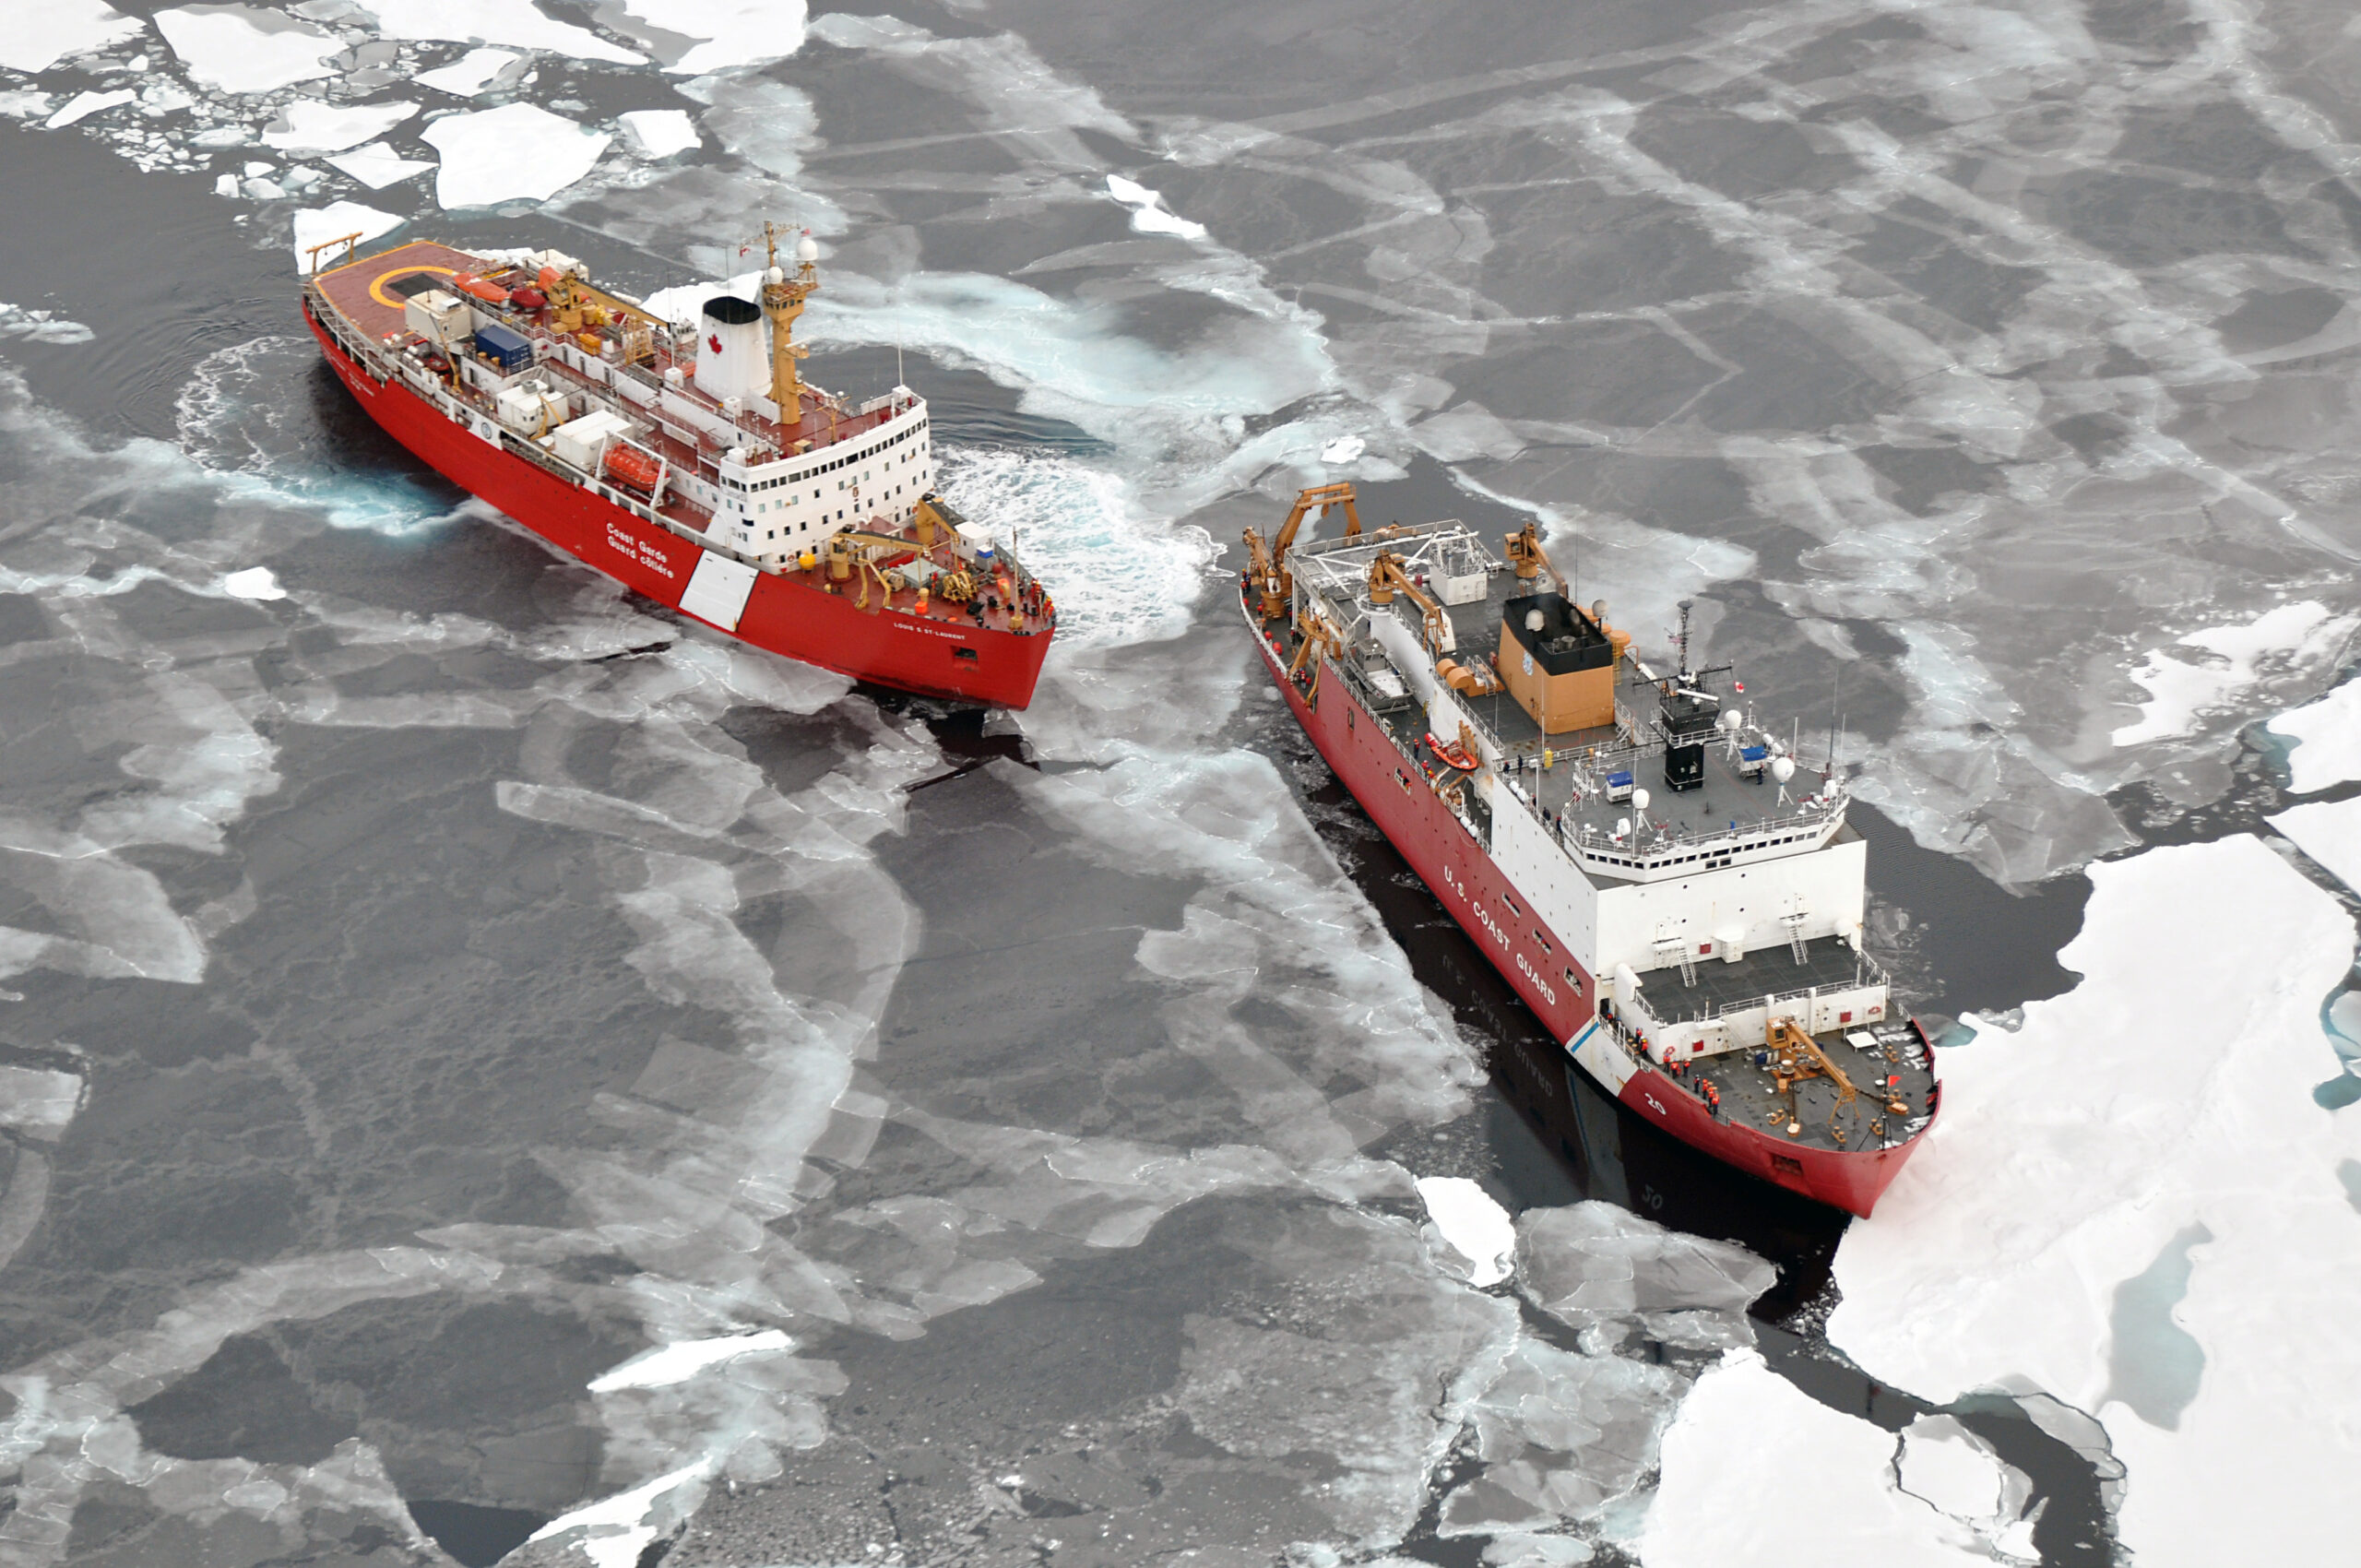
[(1650, 866)]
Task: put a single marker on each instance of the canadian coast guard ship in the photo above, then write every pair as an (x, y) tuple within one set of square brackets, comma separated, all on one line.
[(689, 461), (1647, 865)]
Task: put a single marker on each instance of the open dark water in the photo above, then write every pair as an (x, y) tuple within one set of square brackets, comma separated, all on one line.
[(432, 984)]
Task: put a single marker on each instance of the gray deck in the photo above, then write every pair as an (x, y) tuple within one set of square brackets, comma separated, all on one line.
[(1722, 986)]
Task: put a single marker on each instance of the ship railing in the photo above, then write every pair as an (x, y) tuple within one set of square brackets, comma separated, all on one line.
[(1869, 974), (1591, 838), (1473, 812)]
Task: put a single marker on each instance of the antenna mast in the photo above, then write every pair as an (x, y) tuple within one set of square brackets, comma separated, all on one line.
[(783, 297)]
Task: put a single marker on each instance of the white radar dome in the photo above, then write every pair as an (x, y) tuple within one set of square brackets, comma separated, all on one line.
[(1732, 719), (1783, 768), (807, 249), (1639, 800), (775, 274)]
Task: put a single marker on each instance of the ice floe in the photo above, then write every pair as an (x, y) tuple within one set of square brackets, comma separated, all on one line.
[(82, 105), (1474, 1226), (378, 165), (517, 23), (2330, 832), (470, 74), (1757, 1472), (2171, 1088), (315, 126), (660, 133), (1592, 1265), (2179, 691), (516, 152), (35, 36), (2327, 736), (319, 225), (683, 1359), (255, 582), (39, 1101), (1344, 449), (1563, 1435), (1149, 215), (247, 48), (40, 326), (1950, 1468), (729, 34)]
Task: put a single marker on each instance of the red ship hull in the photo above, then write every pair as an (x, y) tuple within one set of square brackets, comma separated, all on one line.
[(1396, 795), (934, 655)]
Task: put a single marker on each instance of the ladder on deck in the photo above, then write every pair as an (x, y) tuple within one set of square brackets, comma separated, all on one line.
[(1793, 921), (1673, 952)]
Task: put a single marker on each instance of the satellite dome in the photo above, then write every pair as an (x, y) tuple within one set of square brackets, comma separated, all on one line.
[(807, 249), (1783, 768), (1639, 800), (775, 274), (1732, 720)]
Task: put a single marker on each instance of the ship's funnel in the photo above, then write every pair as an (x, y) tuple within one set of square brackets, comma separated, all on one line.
[(733, 354)]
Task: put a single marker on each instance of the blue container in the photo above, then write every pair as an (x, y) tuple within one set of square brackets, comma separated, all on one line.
[(504, 346), (1618, 786)]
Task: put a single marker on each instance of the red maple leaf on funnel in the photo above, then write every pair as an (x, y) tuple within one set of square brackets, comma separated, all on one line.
[(714, 342)]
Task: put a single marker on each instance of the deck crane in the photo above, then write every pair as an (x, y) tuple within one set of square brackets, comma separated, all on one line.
[(1269, 561), (1796, 1056), (1387, 577), (1524, 553)]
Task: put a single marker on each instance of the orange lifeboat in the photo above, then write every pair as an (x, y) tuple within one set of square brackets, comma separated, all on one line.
[(634, 466), (469, 284), (1451, 754)]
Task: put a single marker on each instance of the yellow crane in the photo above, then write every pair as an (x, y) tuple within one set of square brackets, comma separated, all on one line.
[(1796, 1056), (1388, 576), (1268, 562), (1530, 560)]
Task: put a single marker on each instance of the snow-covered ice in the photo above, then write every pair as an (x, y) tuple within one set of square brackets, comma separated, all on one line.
[(1758, 1472), (2328, 831), (1477, 1228), (2231, 660), (1344, 449), (660, 133), (2327, 736), (37, 34), (1149, 215), (255, 582), (517, 23), (730, 33), (516, 152), (2170, 1088), (684, 1359), (617, 1529), (315, 126), (82, 105), (317, 225), (1948, 1465), (471, 73), (378, 165), (246, 49)]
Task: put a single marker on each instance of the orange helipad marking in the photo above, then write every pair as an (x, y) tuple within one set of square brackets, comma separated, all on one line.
[(377, 288)]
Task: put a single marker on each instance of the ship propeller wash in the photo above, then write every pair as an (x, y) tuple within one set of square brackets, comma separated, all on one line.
[(690, 461), (1677, 898)]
